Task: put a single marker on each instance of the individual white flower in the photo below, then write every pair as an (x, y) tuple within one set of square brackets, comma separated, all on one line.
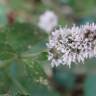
[(48, 21), (72, 45)]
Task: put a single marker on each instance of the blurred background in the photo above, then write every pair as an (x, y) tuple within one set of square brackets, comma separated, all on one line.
[(24, 29)]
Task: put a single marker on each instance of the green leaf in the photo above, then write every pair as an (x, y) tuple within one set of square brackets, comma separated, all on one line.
[(4, 82), (22, 35), (23, 76), (6, 52)]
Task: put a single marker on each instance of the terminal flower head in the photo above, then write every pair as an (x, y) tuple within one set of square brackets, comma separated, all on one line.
[(72, 45)]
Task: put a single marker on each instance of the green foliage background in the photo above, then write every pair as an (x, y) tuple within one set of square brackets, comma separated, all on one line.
[(23, 52)]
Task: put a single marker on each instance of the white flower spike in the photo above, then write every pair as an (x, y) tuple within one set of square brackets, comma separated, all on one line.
[(72, 45)]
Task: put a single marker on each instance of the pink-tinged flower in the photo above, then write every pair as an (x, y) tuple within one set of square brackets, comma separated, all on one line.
[(72, 45), (48, 21)]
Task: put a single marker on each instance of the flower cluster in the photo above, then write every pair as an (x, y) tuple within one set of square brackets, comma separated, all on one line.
[(72, 45), (48, 21)]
